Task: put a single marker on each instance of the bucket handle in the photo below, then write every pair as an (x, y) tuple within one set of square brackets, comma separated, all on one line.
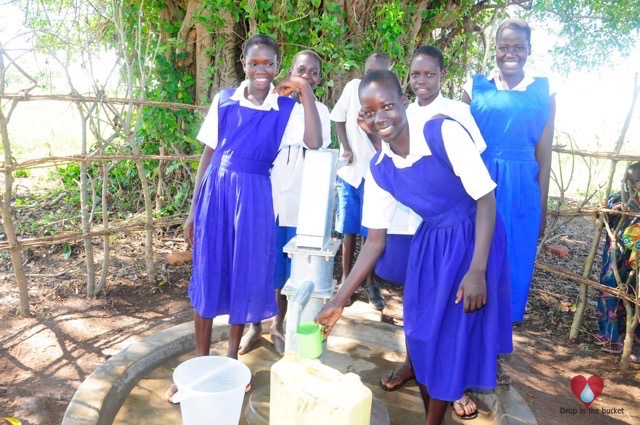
[(181, 396), (186, 394)]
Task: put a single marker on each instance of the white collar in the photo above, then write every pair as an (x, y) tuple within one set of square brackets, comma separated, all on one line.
[(417, 149), (521, 86), (434, 102), (270, 102)]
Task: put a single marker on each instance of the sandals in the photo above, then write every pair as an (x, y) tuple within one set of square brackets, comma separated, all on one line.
[(608, 345), (278, 341), (393, 377), (601, 339), (613, 347), (502, 377), (462, 403)]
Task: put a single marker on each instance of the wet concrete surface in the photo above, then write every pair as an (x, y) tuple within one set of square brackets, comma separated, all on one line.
[(363, 346)]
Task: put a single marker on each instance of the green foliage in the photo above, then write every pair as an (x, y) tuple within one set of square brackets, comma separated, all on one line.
[(21, 173), (69, 177), (589, 31)]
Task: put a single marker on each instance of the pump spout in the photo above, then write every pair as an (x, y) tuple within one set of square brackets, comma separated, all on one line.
[(296, 305)]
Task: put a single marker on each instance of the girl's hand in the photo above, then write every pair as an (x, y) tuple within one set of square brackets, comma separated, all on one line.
[(188, 230), (291, 84), (473, 289), (348, 154), (362, 123), (329, 316)]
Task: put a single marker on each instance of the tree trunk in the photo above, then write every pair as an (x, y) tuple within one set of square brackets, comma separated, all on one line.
[(416, 24), (204, 42), (148, 206), (226, 75), (160, 185), (105, 223), (84, 208), (5, 201), (7, 223), (581, 303), (632, 321)]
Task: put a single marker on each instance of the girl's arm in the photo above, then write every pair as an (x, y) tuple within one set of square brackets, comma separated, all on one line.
[(465, 97), (473, 287), (341, 132), (543, 157), (205, 159), (312, 126), (367, 259)]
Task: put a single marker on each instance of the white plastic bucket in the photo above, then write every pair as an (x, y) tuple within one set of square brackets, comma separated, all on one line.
[(211, 390)]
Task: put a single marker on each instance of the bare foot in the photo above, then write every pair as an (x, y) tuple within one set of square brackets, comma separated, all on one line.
[(278, 340), (253, 334)]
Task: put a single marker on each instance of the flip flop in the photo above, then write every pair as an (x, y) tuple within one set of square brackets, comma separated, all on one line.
[(462, 405), (601, 339), (503, 378), (613, 347), (393, 377), (278, 342)]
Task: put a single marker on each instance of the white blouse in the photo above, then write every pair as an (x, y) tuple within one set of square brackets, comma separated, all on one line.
[(286, 174), (380, 205), (208, 133), (346, 110)]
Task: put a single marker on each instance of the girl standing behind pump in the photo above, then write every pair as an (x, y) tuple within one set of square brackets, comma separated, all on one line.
[(286, 179), (230, 223)]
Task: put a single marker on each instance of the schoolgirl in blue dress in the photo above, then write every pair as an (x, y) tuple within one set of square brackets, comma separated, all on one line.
[(231, 221), (456, 300), (426, 73), (286, 181), (515, 113)]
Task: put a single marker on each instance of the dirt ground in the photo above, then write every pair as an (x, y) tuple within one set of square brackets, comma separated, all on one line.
[(44, 358)]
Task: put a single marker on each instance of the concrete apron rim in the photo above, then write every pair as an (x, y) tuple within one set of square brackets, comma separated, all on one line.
[(100, 396)]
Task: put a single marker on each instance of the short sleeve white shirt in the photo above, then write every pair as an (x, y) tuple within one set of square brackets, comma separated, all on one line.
[(346, 110), (455, 109), (208, 133), (380, 205), (286, 174), (405, 221)]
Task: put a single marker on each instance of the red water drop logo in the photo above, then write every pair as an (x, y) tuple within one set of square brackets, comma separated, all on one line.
[(587, 390)]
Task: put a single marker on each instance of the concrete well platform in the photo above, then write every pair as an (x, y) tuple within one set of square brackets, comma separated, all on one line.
[(129, 388)]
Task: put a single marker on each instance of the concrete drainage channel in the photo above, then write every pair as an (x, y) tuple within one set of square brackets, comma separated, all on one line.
[(365, 347)]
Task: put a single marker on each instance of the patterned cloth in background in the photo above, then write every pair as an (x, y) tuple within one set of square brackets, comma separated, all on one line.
[(611, 311)]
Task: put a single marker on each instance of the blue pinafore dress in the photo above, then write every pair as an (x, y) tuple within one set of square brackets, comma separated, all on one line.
[(511, 123), (234, 240), (450, 350)]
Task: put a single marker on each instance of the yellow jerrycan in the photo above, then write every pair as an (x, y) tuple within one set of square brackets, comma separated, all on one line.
[(305, 391)]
